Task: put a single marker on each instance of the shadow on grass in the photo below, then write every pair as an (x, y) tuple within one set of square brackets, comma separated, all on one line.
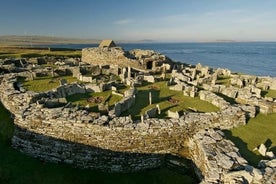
[(78, 97), (227, 98), (18, 168), (6, 126), (268, 144), (142, 101), (252, 158), (164, 114), (273, 149), (263, 93)]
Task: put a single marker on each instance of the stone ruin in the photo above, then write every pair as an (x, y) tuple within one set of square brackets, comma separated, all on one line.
[(49, 128), (61, 130), (137, 58), (243, 89)]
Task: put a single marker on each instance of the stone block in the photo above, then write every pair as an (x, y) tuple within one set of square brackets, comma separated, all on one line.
[(262, 149), (172, 114), (270, 154), (149, 78), (177, 87)]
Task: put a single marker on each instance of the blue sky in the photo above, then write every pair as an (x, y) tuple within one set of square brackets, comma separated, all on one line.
[(162, 20)]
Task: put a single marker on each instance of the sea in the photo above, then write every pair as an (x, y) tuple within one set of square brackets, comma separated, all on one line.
[(254, 58)]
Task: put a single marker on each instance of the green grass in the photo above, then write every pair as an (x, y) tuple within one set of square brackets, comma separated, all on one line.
[(17, 168), (257, 131), (6, 126), (160, 96), (81, 99), (41, 84), (17, 52), (270, 93)]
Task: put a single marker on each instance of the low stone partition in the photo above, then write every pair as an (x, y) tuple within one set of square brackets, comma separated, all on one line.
[(213, 98), (125, 103), (70, 89)]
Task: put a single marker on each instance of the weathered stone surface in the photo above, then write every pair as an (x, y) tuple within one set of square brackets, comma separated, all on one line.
[(214, 157), (173, 114), (126, 102), (214, 99), (75, 136), (137, 58), (270, 154), (149, 78), (262, 149)]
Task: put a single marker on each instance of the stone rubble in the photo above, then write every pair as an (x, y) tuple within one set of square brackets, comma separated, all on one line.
[(219, 161)]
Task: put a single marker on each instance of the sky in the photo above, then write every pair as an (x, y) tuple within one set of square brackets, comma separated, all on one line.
[(159, 20)]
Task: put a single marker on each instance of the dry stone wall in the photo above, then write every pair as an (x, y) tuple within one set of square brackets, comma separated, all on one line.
[(107, 56), (115, 144), (219, 161), (137, 58)]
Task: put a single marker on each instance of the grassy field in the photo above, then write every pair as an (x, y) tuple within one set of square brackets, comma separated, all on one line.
[(261, 129), (47, 83), (32, 40), (17, 168), (17, 52)]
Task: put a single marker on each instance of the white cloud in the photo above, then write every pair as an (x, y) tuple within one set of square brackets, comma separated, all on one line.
[(122, 21)]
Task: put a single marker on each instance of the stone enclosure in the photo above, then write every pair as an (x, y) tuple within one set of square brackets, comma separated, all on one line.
[(113, 143)]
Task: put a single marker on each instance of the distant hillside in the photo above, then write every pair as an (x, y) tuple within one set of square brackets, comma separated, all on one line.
[(14, 40)]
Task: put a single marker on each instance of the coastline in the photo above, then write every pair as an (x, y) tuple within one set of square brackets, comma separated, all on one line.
[(252, 58)]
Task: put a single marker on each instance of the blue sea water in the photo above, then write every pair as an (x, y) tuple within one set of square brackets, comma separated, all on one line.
[(255, 58)]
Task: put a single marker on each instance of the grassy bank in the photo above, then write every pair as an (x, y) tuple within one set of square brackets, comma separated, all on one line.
[(17, 168)]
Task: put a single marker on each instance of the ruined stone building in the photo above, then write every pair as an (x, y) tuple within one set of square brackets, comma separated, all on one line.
[(107, 53), (107, 43)]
